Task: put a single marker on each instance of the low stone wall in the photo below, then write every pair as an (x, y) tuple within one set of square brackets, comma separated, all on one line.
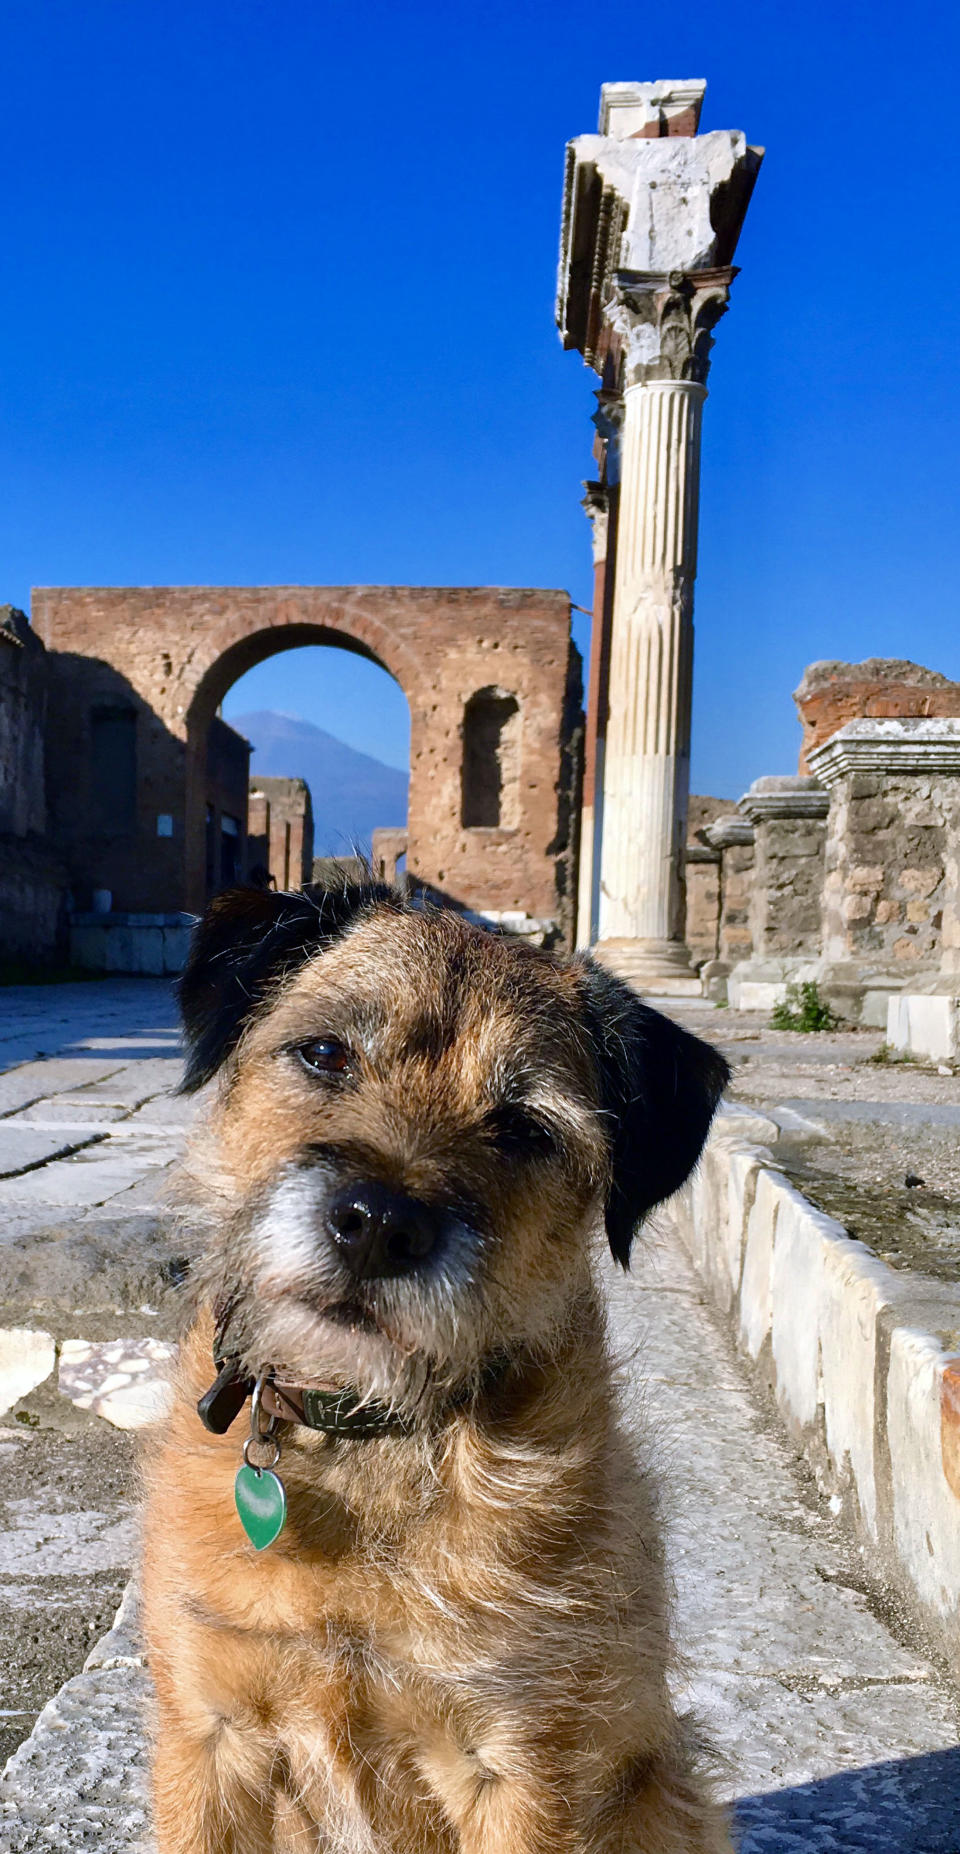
[(154, 944), (859, 1358)]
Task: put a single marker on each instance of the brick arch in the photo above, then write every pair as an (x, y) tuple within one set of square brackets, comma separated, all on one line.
[(358, 631), (175, 650), (355, 630)]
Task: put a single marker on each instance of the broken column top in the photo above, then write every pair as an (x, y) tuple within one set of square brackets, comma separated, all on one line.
[(645, 198), (670, 106)]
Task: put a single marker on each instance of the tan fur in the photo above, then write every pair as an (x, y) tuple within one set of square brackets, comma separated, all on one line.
[(459, 1644)]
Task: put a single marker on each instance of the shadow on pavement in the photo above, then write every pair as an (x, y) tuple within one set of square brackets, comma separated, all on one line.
[(908, 1806)]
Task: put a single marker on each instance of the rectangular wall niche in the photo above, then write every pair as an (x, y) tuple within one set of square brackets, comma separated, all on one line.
[(490, 780), (113, 768)]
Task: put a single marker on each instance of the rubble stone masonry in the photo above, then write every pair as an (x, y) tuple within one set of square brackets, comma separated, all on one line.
[(894, 814)]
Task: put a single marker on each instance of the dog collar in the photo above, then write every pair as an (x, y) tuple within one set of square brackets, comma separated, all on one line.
[(333, 1412)]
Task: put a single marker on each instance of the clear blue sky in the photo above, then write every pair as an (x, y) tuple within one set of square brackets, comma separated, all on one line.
[(277, 306)]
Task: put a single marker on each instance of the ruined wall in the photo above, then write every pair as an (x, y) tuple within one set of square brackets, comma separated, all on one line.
[(788, 814), (832, 693), (703, 878), (280, 830), (32, 880), (171, 653), (22, 713), (885, 870), (227, 782)]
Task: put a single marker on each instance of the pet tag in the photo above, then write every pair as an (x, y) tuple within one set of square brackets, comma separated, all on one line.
[(259, 1493), (261, 1503)]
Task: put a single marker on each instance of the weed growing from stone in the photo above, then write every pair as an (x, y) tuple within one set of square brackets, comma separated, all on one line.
[(887, 1054), (803, 1009)]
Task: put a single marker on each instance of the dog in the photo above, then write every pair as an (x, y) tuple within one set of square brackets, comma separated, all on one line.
[(458, 1642)]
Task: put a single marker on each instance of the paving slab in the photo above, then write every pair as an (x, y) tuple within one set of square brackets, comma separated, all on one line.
[(25, 1148), (26, 1082)]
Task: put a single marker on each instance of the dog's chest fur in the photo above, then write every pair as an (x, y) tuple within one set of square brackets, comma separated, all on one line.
[(407, 1650)]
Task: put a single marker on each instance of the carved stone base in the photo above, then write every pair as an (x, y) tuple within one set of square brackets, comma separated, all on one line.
[(658, 966)]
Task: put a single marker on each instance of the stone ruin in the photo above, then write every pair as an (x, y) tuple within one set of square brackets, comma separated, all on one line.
[(847, 872), (523, 811)]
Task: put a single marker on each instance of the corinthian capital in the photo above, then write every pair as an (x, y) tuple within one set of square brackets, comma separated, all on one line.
[(663, 322)]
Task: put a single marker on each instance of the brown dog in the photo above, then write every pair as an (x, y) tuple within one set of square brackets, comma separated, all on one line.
[(458, 1641)]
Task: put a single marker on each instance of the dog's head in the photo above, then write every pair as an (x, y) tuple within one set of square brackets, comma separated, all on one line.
[(417, 1126)]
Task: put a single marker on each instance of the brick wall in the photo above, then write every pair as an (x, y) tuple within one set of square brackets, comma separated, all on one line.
[(171, 654)]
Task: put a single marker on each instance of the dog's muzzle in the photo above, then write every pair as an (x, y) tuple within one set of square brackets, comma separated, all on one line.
[(380, 1234)]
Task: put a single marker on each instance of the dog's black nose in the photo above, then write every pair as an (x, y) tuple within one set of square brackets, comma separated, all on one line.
[(379, 1233)]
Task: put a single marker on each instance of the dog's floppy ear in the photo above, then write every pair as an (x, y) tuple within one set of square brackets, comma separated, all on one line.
[(659, 1087), (247, 939)]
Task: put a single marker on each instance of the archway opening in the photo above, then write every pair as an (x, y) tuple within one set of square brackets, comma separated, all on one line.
[(305, 766)]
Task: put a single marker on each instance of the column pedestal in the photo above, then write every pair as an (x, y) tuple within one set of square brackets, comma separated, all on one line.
[(660, 966)]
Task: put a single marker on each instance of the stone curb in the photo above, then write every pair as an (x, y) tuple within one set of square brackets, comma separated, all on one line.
[(80, 1780), (864, 1362)]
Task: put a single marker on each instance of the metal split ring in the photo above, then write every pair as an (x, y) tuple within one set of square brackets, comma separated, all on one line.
[(259, 1436), (261, 1442)]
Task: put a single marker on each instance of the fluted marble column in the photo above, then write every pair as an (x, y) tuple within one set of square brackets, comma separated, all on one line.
[(596, 504), (665, 325)]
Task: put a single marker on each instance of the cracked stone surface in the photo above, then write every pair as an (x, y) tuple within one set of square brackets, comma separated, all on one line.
[(835, 1732)]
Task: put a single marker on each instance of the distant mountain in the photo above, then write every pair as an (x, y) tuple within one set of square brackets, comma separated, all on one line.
[(352, 793)]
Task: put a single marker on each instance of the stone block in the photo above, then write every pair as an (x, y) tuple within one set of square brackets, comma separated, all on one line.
[(874, 1008), (88, 948), (920, 881), (756, 1285), (854, 1289), (176, 945), (797, 1288), (926, 1510), (925, 1024), (27, 1359)]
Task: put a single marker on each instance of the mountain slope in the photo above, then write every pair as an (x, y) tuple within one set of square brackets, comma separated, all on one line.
[(352, 792)]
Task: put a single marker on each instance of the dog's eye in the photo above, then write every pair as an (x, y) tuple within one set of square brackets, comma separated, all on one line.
[(516, 1132), (325, 1056)]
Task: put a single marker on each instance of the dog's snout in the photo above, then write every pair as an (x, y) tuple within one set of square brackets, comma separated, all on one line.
[(380, 1233)]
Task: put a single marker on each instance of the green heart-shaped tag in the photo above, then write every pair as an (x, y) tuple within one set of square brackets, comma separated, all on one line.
[(261, 1503)]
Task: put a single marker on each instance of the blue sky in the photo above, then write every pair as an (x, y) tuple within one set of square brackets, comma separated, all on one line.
[(278, 307)]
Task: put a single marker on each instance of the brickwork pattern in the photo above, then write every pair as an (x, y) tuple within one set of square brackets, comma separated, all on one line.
[(834, 693)]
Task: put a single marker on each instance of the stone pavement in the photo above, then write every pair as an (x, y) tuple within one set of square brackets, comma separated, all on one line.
[(835, 1731)]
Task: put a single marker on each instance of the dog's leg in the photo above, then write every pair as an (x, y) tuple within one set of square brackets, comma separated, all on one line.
[(212, 1795), (525, 1808)]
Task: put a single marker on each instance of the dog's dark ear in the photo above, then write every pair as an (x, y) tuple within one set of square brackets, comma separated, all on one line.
[(659, 1088), (247, 939)]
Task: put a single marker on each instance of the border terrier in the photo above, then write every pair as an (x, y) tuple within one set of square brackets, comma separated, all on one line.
[(415, 1601)]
